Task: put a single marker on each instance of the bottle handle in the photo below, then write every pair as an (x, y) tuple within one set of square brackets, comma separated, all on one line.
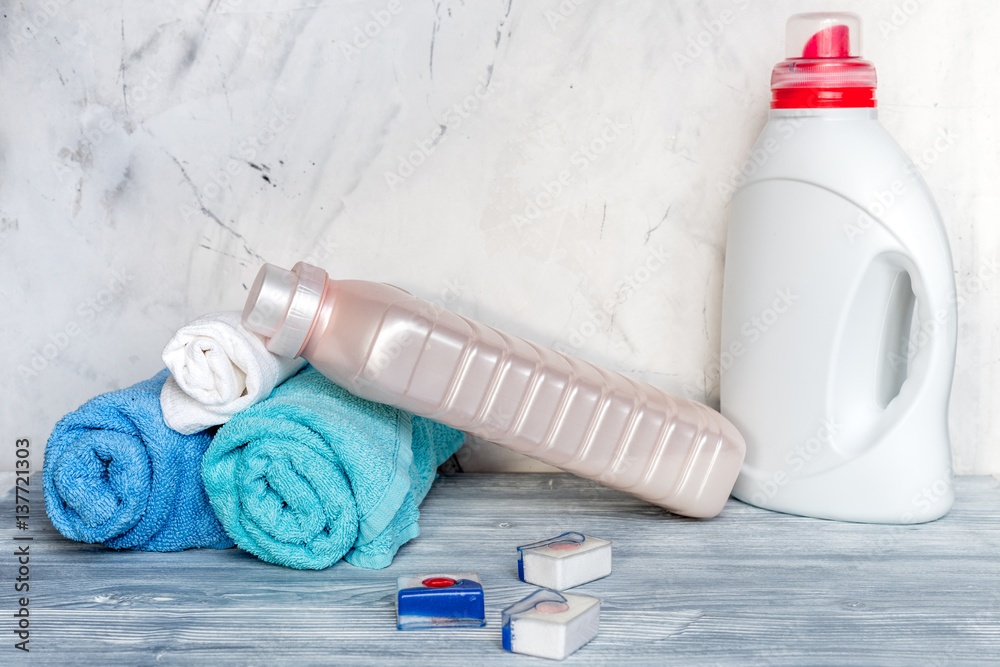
[(866, 403), (926, 341)]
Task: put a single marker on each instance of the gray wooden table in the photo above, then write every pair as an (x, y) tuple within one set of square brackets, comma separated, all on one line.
[(749, 587)]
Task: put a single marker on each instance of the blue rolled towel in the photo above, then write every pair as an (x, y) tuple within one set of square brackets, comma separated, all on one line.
[(313, 474), (115, 474)]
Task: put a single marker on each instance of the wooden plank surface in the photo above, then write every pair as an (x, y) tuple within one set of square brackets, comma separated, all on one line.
[(750, 587)]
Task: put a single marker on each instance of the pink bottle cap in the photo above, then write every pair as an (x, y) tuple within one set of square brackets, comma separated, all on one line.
[(282, 305)]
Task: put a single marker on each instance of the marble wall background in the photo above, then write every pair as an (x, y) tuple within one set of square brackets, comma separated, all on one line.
[(153, 155)]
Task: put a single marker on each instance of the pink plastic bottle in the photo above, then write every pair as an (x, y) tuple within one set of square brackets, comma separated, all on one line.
[(386, 345)]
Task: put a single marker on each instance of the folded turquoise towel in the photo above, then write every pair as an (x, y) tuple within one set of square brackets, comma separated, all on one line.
[(115, 474), (313, 474)]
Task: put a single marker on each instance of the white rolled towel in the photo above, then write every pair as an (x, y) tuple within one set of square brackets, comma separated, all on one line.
[(217, 368)]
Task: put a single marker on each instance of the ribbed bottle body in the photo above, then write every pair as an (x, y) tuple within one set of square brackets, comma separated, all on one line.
[(386, 345)]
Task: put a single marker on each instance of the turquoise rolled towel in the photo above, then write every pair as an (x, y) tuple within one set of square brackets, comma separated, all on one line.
[(314, 474)]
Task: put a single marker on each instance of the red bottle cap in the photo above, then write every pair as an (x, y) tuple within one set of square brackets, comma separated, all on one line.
[(823, 68)]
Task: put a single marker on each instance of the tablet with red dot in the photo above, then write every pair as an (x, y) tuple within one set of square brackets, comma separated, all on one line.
[(440, 600)]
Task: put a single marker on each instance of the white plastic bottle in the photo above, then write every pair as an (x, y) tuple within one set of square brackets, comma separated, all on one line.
[(834, 242), (384, 344)]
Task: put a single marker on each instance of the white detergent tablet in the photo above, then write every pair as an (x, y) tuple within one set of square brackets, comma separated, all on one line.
[(551, 625), (564, 561)]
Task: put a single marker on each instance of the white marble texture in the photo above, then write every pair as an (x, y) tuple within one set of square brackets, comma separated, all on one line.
[(152, 155)]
